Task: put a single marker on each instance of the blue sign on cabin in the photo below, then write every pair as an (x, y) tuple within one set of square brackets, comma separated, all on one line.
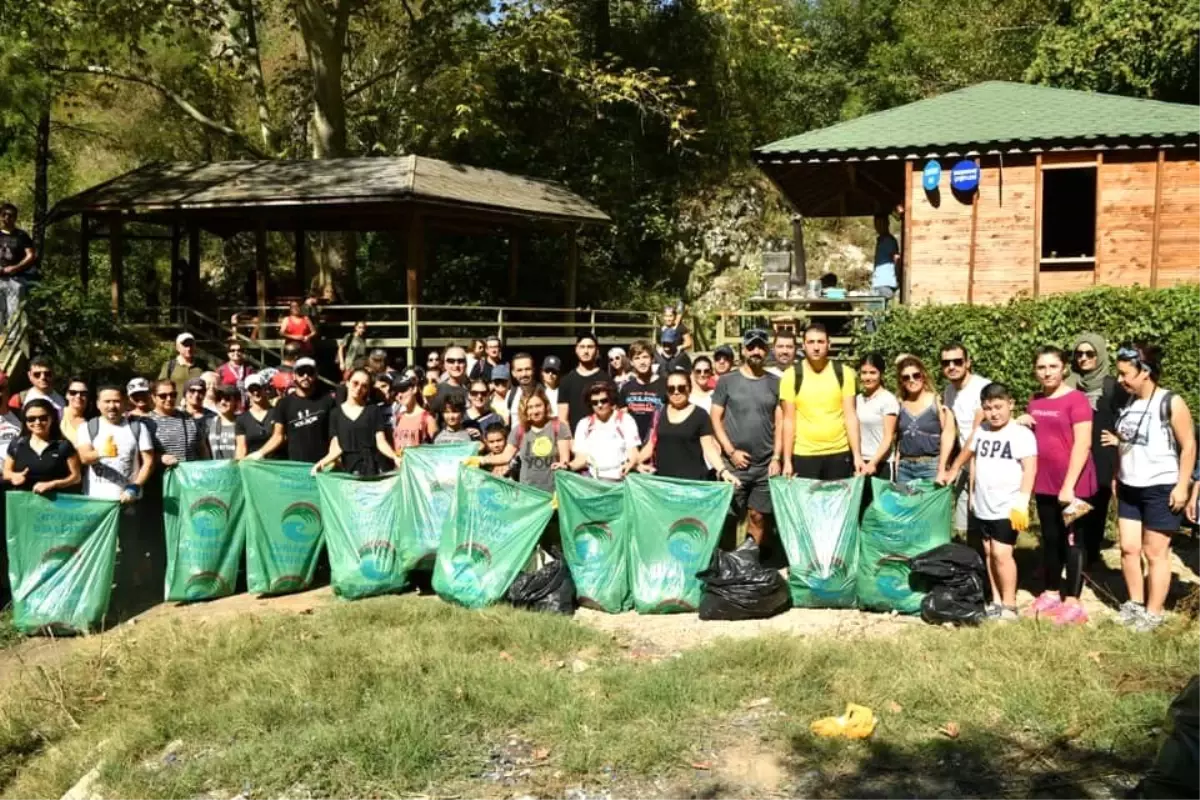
[(931, 176), (964, 177)]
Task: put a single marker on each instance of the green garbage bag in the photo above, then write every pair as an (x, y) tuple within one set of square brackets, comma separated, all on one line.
[(202, 516), (429, 477), (818, 525), (595, 540), (901, 522), (283, 526), (362, 532), (675, 525), (61, 552), (495, 527)]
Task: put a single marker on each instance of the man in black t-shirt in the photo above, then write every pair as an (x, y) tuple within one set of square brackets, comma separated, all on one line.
[(305, 416), (643, 395), (455, 383), (669, 356), (18, 264), (572, 405)]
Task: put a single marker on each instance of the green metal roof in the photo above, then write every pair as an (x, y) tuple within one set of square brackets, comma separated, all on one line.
[(994, 113)]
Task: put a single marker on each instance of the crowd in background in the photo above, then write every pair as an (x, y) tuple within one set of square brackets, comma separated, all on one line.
[(778, 407)]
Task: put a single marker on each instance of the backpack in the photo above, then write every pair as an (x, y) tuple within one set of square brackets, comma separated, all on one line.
[(1164, 413), (554, 423), (135, 427), (620, 415), (798, 375)]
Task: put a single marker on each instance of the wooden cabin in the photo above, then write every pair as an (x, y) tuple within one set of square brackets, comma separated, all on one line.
[(1005, 188)]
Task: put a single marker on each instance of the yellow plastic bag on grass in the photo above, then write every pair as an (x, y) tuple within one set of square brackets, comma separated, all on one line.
[(857, 723)]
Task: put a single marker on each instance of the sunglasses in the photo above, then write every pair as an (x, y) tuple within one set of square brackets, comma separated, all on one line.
[(456, 361), (196, 390), (254, 389), (167, 396), (233, 351), (702, 371), (912, 376), (677, 389), (953, 362), (40, 418), (41, 373), (305, 372), (1085, 353), (77, 392), (480, 394), (600, 401)]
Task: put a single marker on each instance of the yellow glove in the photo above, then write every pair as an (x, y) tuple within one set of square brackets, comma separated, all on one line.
[(554, 501), (472, 461), (1019, 515), (857, 723)]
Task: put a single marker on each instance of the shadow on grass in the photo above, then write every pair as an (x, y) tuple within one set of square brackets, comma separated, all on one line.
[(984, 764)]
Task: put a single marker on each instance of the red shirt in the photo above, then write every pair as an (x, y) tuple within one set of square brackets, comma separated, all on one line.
[(1055, 432)]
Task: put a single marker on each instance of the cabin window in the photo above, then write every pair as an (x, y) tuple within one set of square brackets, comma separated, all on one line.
[(1069, 217)]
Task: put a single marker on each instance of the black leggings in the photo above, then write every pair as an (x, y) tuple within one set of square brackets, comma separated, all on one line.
[(1091, 525), (1060, 545)]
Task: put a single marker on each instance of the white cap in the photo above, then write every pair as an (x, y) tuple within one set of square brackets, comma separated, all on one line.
[(184, 337), (616, 351), (257, 379), (304, 362), (137, 385)]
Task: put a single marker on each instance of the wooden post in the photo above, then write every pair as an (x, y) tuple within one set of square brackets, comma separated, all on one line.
[(301, 248), (799, 257), (572, 268), (906, 247), (176, 273), (971, 251), (116, 257), (261, 265), (416, 257), (1158, 181), (191, 281), (514, 263), (1037, 224), (1096, 230), (85, 251)]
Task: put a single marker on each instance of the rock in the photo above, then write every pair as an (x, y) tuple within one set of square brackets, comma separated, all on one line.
[(87, 787), (579, 665)]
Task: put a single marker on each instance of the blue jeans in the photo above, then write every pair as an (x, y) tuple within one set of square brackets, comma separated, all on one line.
[(911, 469)]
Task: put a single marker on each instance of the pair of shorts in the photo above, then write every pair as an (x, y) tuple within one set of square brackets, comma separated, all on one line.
[(1149, 505), (753, 493), (999, 530), (832, 467)]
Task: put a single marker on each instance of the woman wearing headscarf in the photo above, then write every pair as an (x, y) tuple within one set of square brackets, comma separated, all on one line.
[(1091, 374)]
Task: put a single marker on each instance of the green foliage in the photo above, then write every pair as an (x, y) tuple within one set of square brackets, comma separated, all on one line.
[(1002, 339)]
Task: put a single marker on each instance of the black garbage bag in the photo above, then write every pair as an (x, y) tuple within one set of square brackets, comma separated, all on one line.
[(952, 575), (737, 586), (1176, 771), (549, 589)]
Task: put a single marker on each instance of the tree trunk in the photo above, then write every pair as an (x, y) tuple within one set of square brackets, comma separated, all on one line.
[(41, 178), (243, 26), (324, 42)]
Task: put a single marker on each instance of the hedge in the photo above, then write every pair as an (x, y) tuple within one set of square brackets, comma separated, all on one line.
[(1002, 338)]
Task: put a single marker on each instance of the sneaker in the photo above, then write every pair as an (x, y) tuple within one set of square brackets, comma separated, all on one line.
[(1070, 614), (1008, 614), (1148, 622), (1046, 605), (991, 610), (1129, 613)]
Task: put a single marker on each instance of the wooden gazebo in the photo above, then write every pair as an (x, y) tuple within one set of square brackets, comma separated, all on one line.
[(410, 194)]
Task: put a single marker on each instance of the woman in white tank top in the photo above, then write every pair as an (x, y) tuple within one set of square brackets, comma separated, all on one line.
[(1156, 449)]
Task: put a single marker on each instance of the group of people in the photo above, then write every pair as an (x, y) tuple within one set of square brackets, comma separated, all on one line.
[(773, 409)]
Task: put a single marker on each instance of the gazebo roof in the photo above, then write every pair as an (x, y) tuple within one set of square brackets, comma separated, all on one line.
[(341, 193), (987, 116)]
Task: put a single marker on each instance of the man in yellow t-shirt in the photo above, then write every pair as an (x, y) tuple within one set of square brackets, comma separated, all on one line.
[(818, 413)]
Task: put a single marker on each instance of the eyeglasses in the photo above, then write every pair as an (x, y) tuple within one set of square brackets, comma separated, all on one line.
[(40, 418), (77, 392), (911, 376), (480, 394), (196, 390), (953, 362), (600, 401), (677, 389), (167, 396), (702, 372), (456, 361), (1085, 353), (40, 373), (305, 372)]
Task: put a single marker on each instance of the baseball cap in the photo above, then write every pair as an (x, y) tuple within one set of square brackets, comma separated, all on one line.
[(616, 351), (195, 383), (669, 336), (137, 386), (755, 335), (724, 351), (587, 335), (404, 382), (552, 364), (304, 362), (500, 373), (375, 355), (185, 337), (256, 379)]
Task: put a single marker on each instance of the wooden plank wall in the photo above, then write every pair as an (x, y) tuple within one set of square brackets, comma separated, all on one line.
[(1179, 220), (940, 250), (1125, 222), (1004, 230)]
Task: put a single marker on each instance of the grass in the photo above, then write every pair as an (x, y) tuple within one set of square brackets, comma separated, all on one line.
[(9, 635), (404, 695)]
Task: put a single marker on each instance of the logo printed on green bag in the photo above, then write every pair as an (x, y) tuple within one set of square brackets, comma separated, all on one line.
[(287, 583), (685, 538), (471, 554), (301, 522), (53, 560), (591, 540), (204, 585), (377, 560), (209, 516)]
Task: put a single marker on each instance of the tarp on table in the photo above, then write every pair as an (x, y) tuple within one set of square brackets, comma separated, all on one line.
[(429, 479), (674, 527), (496, 525), (202, 517), (284, 525), (595, 540), (902, 522), (818, 526), (61, 553), (362, 533)]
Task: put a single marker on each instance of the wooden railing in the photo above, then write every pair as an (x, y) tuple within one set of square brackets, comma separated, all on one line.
[(779, 313)]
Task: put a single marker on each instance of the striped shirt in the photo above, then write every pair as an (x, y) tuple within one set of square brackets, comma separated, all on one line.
[(177, 435)]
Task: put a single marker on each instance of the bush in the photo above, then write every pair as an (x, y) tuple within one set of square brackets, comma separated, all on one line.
[(1002, 338)]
